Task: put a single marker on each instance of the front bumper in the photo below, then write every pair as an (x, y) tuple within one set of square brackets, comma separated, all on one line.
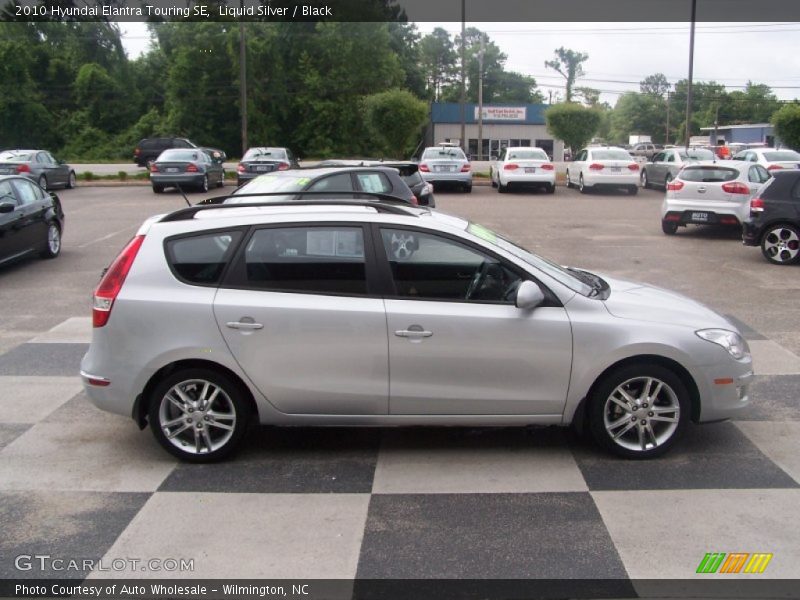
[(727, 389)]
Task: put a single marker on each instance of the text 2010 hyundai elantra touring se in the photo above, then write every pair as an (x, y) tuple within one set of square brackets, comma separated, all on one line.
[(372, 313)]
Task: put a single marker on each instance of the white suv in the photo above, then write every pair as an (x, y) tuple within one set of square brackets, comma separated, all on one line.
[(375, 313)]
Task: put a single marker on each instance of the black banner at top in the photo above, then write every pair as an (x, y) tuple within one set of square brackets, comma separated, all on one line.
[(603, 11)]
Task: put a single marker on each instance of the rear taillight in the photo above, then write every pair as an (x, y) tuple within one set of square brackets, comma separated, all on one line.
[(735, 187), (112, 281), (674, 186), (241, 168), (153, 168), (595, 167), (284, 166), (756, 206), (510, 167), (23, 169), (774, 167), (633, 167), (424, 168), (191, 169), (548, 167), (465, 168), (414, 201), (137, 152)]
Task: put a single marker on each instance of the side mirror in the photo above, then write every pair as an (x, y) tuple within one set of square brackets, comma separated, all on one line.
[(7, 207), (529, 295)]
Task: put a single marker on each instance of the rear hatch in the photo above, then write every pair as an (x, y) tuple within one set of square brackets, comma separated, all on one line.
[(707, 185)]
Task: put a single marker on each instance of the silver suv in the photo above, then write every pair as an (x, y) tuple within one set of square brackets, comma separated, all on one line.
[(374, 313)]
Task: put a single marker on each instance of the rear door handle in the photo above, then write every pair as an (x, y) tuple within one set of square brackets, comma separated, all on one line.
[(244, 325), (413, 333)]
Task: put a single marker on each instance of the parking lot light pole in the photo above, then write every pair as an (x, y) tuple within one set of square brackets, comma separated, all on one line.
[(463, 76), (480, 97), (691, 73), (243, 80)]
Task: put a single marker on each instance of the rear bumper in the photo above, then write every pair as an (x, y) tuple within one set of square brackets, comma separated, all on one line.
[(538, 178), (463, 178), (691, 211), (751, 234), (168, 179), (615, 180)]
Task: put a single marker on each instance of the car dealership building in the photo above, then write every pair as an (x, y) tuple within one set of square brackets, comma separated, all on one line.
[(503, 125)]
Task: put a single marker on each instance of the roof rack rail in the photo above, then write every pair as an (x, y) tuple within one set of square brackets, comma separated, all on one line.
[(380, 202)]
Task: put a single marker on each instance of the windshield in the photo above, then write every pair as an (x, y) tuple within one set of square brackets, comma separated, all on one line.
[(263, 153), (451, 153), (782, 155), (183, 155), (264, 184), (557, 272), (11, 155), (696, 154), (527, 155)]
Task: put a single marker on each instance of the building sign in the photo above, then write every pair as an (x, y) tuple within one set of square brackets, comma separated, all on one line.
[(503, 113)]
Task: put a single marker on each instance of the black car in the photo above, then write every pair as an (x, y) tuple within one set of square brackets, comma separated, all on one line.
[(31, 220), (149, 149), (774, 222), (409, 173), (259, 160), (287, 184)]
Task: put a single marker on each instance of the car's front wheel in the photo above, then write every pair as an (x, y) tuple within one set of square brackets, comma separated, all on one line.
[(639, 410), (52, 246), (42, 181), (199, 415), (71, 180), (645, 183), (780, 244)]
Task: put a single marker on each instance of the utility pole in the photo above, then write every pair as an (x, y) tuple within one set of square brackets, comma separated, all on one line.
[(463, 76), (691, 74), (666, 136), (243, 79), (480, 96)]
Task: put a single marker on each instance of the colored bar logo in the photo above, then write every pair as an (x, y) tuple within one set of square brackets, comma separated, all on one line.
[(734, 562)]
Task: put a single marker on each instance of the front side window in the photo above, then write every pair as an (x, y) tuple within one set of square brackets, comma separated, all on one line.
[(430, 267), (200, 259), (324, 260), (6, 193)]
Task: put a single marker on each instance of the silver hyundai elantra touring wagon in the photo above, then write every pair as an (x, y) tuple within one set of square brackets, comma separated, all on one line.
[(371, 313)]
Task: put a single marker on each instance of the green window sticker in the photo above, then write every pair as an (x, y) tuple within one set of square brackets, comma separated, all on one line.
[(482, 232)]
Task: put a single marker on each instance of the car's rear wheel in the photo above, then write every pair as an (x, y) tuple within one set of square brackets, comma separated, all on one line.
[(199, 415), (221, 182), (42, 181), (468, 188), (501, 188), (204, 184), (71, 180), (645, 183), (633, 190), (669, 227), (581, 187), (52, 246), (639, 411), (569, 181), (780, 244), (550, 188), (158, 189)]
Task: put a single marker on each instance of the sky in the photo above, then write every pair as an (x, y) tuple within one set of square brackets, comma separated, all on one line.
[(622, 54)]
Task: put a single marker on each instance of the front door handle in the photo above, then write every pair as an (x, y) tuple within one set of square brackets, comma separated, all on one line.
[(246, 323), (414, 331)]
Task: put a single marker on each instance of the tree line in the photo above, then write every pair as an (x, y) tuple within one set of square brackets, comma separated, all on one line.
[(322, 88)]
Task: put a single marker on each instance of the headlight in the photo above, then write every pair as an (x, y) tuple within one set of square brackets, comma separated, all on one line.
[(731, 341)]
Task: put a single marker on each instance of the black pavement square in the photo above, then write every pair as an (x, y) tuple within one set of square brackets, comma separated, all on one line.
[(706, 457), (748, 332), (289, 460), (43, 359), (487, 536), (11, 431), (62, 525), (773, 398)]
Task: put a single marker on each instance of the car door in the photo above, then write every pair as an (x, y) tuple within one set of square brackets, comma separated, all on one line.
[(457, 343), (60, 170), (31, 223), (49, 168), (301, 320), (579, 164), (656, 169), (10, 227)]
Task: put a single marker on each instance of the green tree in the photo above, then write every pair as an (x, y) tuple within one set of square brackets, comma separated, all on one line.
[(639, 113), (787, 124), (572, 123), (655, 85), (756, 104), (395, 117), (568, 64), (516, 88), (439, 62)]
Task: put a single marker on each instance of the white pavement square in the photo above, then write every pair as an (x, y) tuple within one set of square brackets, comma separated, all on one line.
[(248, 536), (770, 358), (31, 399), (76, 330)]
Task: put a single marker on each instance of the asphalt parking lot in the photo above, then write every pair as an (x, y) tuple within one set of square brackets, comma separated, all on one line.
[(435, 503)]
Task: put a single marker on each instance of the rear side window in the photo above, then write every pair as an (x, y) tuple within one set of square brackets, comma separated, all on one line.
[(324, 260), (708, 174), (374, 182), (201, 259)]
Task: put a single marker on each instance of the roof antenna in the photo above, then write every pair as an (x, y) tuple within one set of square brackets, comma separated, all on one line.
[(178, 185)]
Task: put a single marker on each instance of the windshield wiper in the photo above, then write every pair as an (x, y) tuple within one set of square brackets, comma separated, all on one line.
[(590, 279)]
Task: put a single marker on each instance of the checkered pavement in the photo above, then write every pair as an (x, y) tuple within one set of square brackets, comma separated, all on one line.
[(512, 503)]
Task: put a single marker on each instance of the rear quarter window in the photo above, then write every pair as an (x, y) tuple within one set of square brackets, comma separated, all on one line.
[(201, 259), (708, 174)]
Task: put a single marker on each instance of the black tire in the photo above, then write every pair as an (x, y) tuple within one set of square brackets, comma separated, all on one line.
[(550, 188), (581, 187), (780, 244), (633, 190), (221, 182), (669, 227), (52, 243), (71, 180), (501, 188), (202, 421), (468, 189), (645, 183), (204, 184), (158, 189), (672, 402), (569, 183), (42, 181)]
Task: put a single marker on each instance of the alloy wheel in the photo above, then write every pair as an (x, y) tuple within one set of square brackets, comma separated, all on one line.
[(781, 245)]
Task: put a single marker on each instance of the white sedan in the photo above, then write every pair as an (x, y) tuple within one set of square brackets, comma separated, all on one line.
[(603, 166), (770, 158), (523, 166)]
